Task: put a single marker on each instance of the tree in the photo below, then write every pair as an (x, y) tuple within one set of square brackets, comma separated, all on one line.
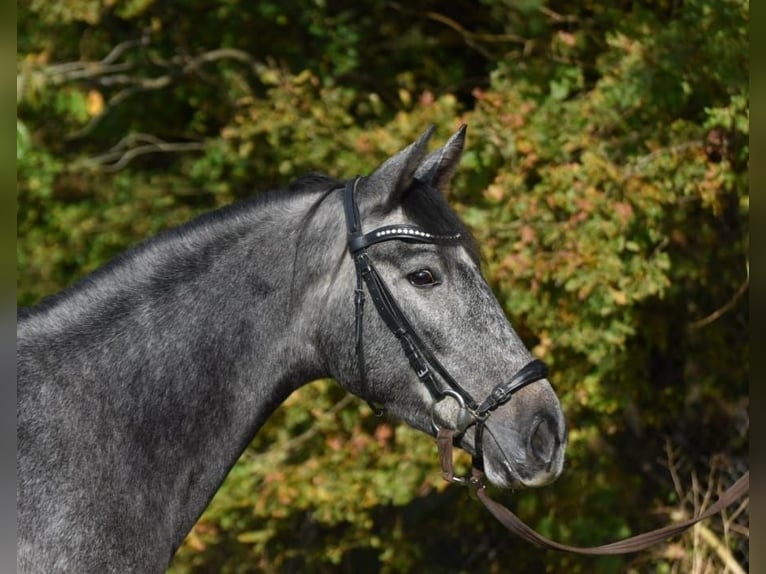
[(606, 178)]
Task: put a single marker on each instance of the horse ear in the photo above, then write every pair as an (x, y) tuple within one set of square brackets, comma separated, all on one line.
[(438, 168), (396, 174)]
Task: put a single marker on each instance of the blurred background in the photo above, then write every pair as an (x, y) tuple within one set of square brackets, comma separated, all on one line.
[(605, 178)]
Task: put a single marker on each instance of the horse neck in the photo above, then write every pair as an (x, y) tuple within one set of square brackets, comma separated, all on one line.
[(176, 354)]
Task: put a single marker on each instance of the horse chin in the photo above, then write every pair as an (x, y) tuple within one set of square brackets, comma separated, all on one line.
[(503, 477), (506, 477)]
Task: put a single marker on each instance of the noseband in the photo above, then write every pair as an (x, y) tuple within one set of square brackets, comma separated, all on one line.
[(420, 357)]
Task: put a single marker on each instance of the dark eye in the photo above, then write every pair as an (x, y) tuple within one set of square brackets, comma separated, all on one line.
[(423, 278)]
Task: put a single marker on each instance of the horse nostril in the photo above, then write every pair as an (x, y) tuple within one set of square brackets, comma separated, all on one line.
[(543, 441)]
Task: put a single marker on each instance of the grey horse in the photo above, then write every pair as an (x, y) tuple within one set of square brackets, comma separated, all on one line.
[(140, 386)]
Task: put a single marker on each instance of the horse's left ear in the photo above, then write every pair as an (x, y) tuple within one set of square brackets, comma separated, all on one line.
[(439, 166)]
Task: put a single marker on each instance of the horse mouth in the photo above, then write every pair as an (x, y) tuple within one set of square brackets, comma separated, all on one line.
[(514, 463)]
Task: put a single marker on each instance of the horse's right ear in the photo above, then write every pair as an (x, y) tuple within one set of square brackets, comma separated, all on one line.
[(395, 175), (439, 167)]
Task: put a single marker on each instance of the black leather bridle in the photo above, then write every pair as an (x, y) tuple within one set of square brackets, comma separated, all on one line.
[(420, 357)]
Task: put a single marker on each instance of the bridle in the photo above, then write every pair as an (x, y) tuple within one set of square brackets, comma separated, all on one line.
[(420, 357), (471, 413)]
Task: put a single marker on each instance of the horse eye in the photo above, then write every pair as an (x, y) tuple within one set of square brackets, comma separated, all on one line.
[(423, 278)]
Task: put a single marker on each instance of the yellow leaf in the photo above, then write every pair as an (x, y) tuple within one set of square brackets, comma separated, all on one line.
[(619, 296), (95, 103), (405, 96)]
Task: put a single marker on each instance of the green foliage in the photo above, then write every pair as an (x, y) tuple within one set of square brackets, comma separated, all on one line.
[(605, 177)]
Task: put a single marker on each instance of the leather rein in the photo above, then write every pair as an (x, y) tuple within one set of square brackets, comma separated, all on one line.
[(513, 523), (471, 412)]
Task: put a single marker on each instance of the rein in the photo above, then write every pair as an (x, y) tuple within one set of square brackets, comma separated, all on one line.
[(424, 363), (513, 523)]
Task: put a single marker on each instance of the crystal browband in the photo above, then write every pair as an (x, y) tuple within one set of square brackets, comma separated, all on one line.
[(400, 232)]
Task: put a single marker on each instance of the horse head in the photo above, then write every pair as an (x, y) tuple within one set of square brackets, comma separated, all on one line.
[(439, 346)]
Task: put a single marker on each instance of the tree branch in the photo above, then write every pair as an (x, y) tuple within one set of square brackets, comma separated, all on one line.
[(471, 39), (701, 535), (721, 550), (698, 324), (109, 72), (122, 154)]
